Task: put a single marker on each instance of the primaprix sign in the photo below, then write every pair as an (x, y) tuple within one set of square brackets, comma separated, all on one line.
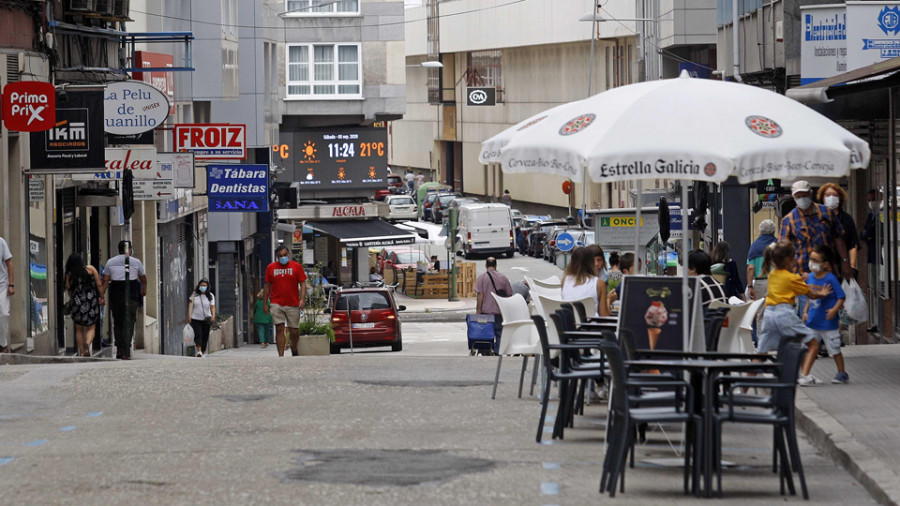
[(212, 141), (29, 106)]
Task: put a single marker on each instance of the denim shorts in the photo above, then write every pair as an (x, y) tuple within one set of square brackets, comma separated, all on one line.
[(832, 340), (781, 321)]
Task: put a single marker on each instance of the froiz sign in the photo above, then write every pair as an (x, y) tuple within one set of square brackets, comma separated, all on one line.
[(29, 106), (212, 141), (482, 96)]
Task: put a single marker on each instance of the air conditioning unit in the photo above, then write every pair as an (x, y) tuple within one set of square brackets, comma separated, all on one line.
[(104, 7), (121, 8), (81, 5)]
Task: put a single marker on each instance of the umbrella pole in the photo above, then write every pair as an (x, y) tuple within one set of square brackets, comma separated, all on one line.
[(685, 291), (584, 171), (637, 224)]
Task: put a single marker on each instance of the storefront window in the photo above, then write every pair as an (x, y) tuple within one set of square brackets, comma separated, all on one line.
[(37, 248)]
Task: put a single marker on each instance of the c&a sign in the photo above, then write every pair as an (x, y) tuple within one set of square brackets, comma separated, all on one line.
[(29, 106)]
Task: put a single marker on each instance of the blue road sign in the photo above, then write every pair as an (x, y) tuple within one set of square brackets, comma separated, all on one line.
[(565, 241)]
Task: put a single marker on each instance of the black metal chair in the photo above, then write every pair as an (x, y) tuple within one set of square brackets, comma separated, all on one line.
[(624, 417), (561, 374), (779, 413)]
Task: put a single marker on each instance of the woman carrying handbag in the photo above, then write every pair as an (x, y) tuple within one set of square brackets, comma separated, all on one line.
[(201, 312)]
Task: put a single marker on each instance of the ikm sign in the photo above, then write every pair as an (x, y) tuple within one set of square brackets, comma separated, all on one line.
[(29, 106), (212, 141)]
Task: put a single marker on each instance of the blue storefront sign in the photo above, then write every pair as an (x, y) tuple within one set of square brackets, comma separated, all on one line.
[(238, 188)]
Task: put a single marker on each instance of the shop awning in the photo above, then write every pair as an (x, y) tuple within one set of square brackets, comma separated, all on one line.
[(363, 233), (870, 77)]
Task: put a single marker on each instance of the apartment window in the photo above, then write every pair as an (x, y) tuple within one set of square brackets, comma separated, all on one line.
[(229, 18), (321, 7), (483, 69), (323, 71)]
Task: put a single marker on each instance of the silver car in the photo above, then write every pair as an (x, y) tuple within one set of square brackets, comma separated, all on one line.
[(400, 207)]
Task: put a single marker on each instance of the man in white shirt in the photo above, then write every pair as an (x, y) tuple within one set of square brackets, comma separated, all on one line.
[(7, 290), (410, 180), (127, 284)]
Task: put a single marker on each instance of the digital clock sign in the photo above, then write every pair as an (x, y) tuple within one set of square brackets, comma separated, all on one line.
[(335, 159)]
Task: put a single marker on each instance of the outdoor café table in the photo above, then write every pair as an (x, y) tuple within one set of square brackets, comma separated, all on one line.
[(704, 369)]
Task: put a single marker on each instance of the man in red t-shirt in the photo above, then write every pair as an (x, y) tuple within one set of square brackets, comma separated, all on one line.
[(286, 285)]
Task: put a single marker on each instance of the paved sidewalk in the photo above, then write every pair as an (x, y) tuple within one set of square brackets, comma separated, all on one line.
[(858, 424)]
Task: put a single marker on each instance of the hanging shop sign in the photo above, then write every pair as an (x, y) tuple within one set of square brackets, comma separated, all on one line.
[(178, 167), (481, 96), (76, 140), (237, 188), (335, 158), (133, 107), (29, 106), (873, 33), (212, 141), (162, 80), (140, 159), (823, 43)]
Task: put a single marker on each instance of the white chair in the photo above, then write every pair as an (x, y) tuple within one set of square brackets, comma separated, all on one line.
[(551, 282), (519, 336), (737, 336)]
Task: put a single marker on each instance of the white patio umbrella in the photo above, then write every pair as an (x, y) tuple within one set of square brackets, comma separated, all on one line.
[(682, 128)]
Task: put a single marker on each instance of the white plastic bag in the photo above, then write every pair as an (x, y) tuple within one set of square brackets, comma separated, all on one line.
[(188, 334), (855, 306)]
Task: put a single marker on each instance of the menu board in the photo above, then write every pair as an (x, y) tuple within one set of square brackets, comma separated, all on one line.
[(653, 309), (335, 158)]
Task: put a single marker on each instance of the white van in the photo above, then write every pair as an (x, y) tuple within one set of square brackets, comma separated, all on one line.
[(486, 229)]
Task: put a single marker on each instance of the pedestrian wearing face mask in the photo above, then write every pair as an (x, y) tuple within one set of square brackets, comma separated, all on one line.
[(833, 196), (821, 315), (810, 225), (201, 313), (873, 198), (286, 291)]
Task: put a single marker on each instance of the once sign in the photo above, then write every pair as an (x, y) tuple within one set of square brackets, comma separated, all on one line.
[(213, 141), (29, 106), (133, 107)]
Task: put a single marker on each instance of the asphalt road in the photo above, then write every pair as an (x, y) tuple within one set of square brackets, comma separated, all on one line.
[(416, 427)]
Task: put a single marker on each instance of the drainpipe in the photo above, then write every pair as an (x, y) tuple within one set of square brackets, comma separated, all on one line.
[(735, 50)]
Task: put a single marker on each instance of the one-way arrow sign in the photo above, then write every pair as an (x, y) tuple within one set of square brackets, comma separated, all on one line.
[(565, 241)]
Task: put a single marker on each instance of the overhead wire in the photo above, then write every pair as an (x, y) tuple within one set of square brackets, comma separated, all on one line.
[(319, 26)]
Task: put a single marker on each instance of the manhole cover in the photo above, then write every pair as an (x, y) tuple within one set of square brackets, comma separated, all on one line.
[(243, 398), (426, 384), (381, 467)]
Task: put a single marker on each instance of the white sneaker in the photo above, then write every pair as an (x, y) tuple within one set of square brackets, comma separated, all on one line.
[(199, 355), (808, 381)]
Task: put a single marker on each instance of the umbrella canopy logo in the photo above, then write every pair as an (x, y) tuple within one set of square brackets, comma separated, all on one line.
[(578, 124), (764, 127), (710, 169), (530, 123)]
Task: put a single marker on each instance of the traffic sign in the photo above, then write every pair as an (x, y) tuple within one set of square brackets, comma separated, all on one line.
[(154, 189), (565, 241)]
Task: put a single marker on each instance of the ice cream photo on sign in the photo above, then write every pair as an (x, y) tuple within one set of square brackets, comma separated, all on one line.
[(655, 317)]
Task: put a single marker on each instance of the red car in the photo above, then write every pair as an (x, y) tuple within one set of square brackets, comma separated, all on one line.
[(374, 319)]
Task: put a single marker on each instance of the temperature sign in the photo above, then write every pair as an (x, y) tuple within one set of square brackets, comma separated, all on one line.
[(345, 158)]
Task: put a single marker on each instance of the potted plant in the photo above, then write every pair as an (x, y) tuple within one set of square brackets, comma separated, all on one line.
[(316, 334)]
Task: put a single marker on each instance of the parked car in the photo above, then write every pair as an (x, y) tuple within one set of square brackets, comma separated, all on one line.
[(373, 319), (430, 199), (402, 257), (525, 225), (516, 216), (538, 235), (441, 205), (400, 207), (486, 229), (582, 237), (395, 181)]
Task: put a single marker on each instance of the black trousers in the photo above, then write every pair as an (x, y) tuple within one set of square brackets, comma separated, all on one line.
[(498, 329), (201, 333), (122, 330)]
